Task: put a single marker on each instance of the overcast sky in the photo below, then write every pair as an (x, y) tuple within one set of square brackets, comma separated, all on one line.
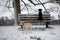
[(5, 12)]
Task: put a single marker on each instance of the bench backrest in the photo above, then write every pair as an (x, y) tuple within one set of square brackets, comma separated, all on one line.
[(33, 18)]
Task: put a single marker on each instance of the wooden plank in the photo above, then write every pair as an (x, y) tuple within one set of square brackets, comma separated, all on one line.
[(34, 17)]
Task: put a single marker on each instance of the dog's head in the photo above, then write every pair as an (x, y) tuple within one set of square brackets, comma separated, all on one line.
[(21, 22)]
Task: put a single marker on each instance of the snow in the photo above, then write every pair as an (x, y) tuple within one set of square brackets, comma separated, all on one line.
[(15, 33)]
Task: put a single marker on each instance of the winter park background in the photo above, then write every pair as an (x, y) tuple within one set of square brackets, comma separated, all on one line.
[(10, 32), (7, 11)]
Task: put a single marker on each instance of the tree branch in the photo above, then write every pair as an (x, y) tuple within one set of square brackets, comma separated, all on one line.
[(32, 2), (42, 5), (25, 6)]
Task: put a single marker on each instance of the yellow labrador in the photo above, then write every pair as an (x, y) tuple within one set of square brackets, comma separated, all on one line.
[(26, 25)]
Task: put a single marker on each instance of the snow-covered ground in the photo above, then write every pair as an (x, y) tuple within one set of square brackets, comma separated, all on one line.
[(15, 33)]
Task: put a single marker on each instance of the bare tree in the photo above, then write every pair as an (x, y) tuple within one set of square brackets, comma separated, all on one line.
[(27, 6)]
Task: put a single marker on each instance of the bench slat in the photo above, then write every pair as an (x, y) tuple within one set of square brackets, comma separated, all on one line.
[(33, 17)]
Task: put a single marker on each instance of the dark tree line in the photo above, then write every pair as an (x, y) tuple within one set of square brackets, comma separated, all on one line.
[(5, 21)]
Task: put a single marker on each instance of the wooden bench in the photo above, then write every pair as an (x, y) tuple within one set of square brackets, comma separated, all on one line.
[(33, 18)]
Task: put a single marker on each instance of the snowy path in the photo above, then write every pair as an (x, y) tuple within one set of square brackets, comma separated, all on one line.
[(13, 33)]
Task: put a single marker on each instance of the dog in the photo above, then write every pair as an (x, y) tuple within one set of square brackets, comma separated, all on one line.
[(26, 25)]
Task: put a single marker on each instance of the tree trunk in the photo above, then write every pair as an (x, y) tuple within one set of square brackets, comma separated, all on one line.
[(16, 11)]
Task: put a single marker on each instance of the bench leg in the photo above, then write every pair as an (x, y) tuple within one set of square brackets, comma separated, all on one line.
[(47, 24)]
